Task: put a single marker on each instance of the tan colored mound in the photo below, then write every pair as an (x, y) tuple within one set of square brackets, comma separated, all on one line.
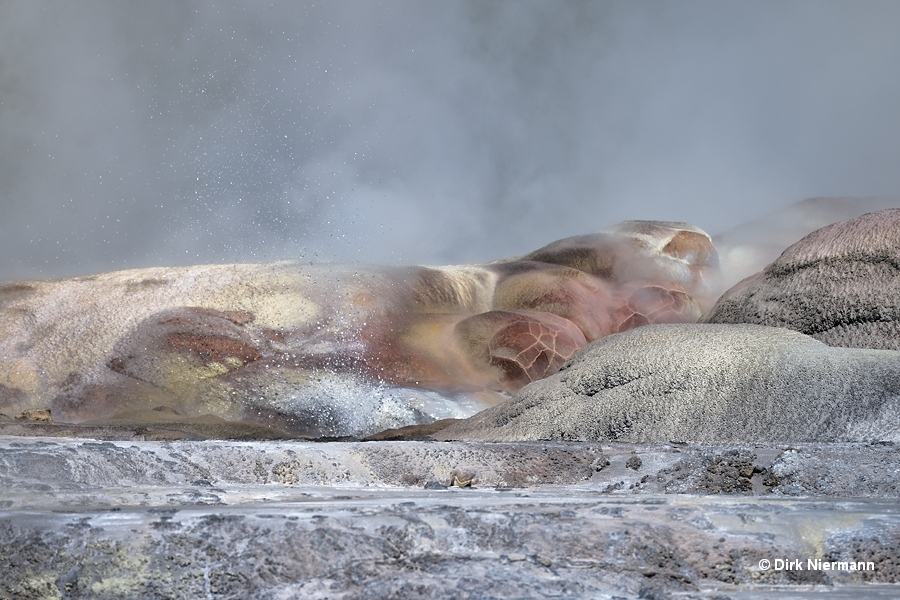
[(301, 348)]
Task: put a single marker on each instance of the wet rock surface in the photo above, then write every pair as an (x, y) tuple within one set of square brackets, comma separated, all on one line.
[(281, 519)]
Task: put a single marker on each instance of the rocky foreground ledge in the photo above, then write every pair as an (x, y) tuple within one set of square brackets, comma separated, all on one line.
[(290, 519)]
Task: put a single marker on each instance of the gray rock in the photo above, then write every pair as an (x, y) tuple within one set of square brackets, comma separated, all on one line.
[(283, 519), (66, 471), (838, 284), (440, 544), (747, 248), (716, 383)]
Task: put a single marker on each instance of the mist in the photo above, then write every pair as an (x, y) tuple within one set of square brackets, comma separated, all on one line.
[(136, 134)]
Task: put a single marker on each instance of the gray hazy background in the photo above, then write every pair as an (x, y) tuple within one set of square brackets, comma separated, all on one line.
[(140, 133)]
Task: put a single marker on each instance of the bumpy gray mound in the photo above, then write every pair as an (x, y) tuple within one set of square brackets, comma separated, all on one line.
[(748, 247), (839, 284), (724, 383)]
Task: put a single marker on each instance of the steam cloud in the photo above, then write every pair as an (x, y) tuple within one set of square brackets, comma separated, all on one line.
[(179, 132)]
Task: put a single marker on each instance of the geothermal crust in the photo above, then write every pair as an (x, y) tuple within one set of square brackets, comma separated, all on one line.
[(838, 284), (334, 350), (219, 519), (704, 383), (797, 460)]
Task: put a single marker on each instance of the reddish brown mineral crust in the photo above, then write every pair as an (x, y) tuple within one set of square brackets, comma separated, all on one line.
[(218, 339), (213, 348), (530, 347)]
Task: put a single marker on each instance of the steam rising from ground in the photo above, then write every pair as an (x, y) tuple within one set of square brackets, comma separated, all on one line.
[(135, 134)]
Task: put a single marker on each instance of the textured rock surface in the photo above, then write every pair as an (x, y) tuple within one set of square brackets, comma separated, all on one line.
[(715, 383), (747, 248), (134, 518), (331, 350), (838, 284), (83, 519)]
